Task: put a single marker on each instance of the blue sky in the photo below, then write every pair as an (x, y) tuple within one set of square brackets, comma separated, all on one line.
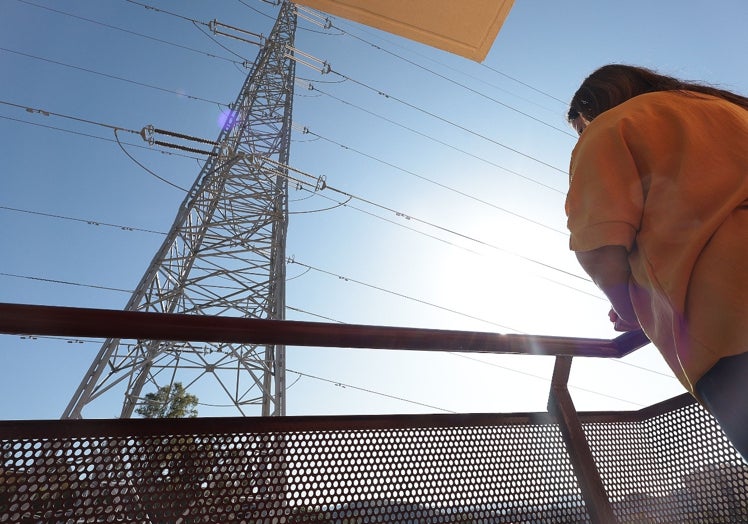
[(478, 149)]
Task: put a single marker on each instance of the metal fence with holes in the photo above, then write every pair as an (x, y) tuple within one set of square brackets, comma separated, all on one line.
[(666, 463)]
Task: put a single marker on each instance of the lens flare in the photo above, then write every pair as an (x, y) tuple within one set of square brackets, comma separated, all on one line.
[(227, 119)]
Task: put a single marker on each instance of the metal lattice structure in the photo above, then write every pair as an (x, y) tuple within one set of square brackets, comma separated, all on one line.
[(224, 255)]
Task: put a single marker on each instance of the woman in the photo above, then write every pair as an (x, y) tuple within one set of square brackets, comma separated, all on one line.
[(658, 214)]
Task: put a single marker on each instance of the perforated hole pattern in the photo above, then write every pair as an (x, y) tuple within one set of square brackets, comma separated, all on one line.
[(674, 467), (499, 473)]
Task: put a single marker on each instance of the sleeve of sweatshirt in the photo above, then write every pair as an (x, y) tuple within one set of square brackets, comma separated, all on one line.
[(605, 200)]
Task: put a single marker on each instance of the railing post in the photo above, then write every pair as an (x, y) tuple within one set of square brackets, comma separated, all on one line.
[(561, 407)]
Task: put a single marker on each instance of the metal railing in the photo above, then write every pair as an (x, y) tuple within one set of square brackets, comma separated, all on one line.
[(666, 463)]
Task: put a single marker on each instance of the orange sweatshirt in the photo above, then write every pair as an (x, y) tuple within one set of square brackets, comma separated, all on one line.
[(666, 176)]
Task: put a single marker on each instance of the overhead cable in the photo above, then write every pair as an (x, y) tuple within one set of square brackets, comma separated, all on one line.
[(463, 86), (323, 67), (545, 379), (438, 141), (107, 75), (128, 31), (371, 391), (65, 282), (311, 87), (482, 64), (449, 122), (305, 130), (320, 183), (308, 60), (149, 171), (85, 221), (97, 137), (164, 11), (456, 354), (115, 129), (401, 295), (44, 112), (596, 295)]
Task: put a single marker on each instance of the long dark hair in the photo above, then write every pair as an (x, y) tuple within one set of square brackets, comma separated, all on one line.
[(613, 84)]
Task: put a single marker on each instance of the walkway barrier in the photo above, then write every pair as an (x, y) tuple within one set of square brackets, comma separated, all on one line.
[(665, 463)]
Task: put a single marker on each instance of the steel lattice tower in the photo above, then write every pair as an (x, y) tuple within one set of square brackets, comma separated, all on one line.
[(224, 255)]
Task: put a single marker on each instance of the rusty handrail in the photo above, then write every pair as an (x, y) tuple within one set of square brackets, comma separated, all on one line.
[(26, 319)]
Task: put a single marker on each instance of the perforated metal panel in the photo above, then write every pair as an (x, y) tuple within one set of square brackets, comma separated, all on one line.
[(667, 465), (673, 467), (473, 468)]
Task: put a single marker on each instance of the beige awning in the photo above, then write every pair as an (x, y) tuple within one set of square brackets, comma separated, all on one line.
[(464, 27)]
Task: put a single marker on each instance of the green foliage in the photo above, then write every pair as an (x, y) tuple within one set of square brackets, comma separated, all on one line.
[(169, 402)]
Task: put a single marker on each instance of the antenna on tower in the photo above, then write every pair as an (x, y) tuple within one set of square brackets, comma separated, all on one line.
[(224, 255)]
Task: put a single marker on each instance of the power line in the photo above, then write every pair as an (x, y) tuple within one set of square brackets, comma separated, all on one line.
[(130, 32), (65, 282), (286, 167), (141, 84), (449, 122), (315, 315), (70, 131), (317, 180), (417, 108), (322, 184), (494, 70), (454, 354), (459, 84), (164, 11), (339, 74), (524, 84), (178, 93), (149, 171), (366, 390), (96, 137), (306, 130), (225, 48), (82, 220), (309, 268), (316, 185), (111, 77), (213, 26), (257, 10), (540, 377), (292, 261), (338, 383), (436, 140), (401, 295), (348, 279), (115, 129), (452, 244), (44, 112), (545, 379)]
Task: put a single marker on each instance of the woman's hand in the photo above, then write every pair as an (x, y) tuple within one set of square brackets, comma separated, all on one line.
[(609, 268), (619, 324)]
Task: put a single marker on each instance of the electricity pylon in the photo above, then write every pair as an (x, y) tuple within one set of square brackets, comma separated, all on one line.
[(224, 255)]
